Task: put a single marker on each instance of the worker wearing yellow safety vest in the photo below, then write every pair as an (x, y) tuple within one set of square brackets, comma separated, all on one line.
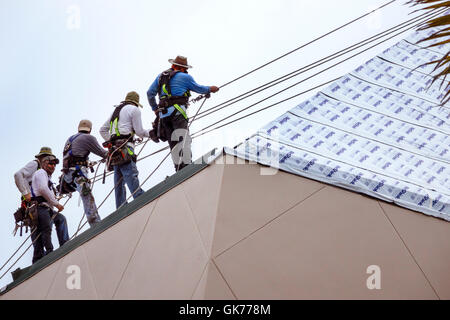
[(173, 87), (119, 131)]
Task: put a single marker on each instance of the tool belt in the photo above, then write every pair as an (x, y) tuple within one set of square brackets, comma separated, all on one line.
[(26, 216), (119, 153), (38, 199), (166, 102), (77, 161), (64, 187), (72, 162)]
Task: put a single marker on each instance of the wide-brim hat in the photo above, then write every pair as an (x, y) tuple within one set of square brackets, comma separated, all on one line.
[(44, 151), (133, 96), (180, 61)]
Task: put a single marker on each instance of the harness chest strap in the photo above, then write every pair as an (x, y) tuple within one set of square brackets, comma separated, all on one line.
[(114, 124), (169, 100), (38, 167), (71, 160), (114, 127), (41, 199)]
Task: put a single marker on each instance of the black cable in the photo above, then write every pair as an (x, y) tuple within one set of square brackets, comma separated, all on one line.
[(423, 48), (291, 86), (317, 63), (375, 37), (195, 135), (262, 66), (358, 45), (411, 69), (308, 43)]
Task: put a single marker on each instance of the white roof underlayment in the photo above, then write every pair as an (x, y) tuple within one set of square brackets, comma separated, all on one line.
[(379, 130)]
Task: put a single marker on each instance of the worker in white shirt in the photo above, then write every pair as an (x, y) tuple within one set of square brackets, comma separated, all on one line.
[(43, 193), (24, 175), (119, 131)]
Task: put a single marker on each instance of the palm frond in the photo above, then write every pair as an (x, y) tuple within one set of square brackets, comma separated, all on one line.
[(442, 35), (436, 22), (435, 36), (439, 43)]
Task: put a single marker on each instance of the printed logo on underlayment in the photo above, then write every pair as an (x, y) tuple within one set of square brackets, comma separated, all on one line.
[(270, 155)]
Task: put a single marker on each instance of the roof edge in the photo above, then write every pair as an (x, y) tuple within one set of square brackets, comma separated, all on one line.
[(20, 275)]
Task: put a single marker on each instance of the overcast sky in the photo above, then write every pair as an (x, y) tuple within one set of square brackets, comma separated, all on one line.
[(66, 60)]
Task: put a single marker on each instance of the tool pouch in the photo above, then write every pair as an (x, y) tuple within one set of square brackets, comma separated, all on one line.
[(31, 215), (19, 215), (63, 187), (120, 154)]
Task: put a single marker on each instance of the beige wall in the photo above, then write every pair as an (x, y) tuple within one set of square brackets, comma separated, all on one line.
[(230, 232)]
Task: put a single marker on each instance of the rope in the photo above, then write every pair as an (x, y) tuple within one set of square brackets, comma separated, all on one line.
[(308, 43), (110, 192), (376, 37), (189, 125), (167, 155), (258, 68), (104, 200), (54, 215), (196, 135), (315, 64), (92, 188), (295, 84), (305, 69), (413, 70)]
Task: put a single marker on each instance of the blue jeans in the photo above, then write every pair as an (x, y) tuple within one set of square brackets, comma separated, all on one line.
[(42, 237), (83, 187), (126, 173)]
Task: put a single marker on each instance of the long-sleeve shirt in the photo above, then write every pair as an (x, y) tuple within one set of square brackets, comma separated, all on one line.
[(129, 121), (86, 143), (23, 177), (40, 184), (179, 84)]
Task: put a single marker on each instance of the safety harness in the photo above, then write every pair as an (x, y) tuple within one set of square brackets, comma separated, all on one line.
[(118, 151), (29, 183), (25, 216), (168, 99), (71, 161), (114, 123), (38, 164), (41, 199)]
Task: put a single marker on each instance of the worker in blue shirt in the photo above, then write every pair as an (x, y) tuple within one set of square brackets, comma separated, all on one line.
[(173, 87)]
